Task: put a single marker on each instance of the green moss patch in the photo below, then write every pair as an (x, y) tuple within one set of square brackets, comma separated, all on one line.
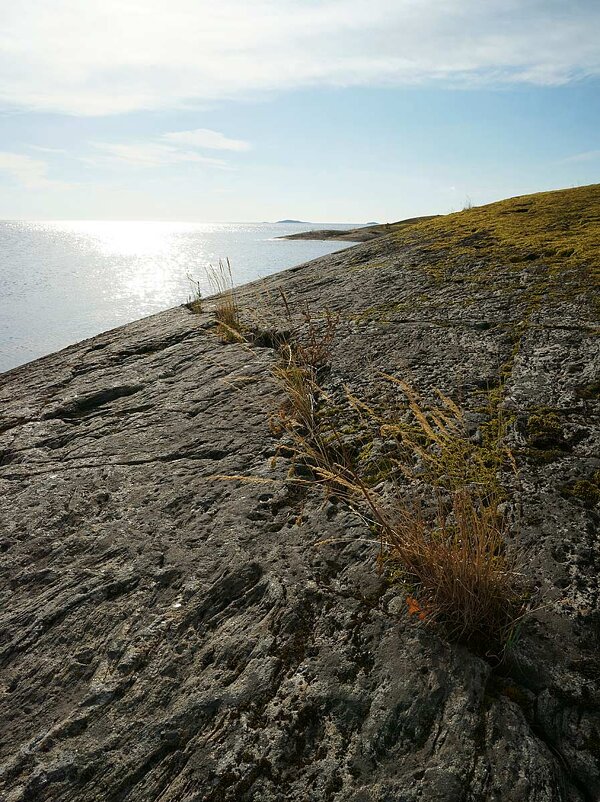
[(587, 491), (589, 391), (553, 237), (544, 436)]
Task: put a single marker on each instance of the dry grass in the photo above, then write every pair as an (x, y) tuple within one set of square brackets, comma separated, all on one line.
[(449, 547), (442, 451), (312, 340), (194, 302), (227, 311), (460, 571), (456, 557), (434, 506), (301, 391), (301, 359)]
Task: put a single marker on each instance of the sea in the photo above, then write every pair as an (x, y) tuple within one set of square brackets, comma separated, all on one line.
[(62, 282)]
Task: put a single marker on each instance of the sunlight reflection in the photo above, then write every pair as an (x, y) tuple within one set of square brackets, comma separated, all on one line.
[(151, 262), (127, 238), (67, 280)]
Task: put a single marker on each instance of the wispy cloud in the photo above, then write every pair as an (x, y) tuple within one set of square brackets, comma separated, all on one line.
[(171, 148), (205, 138), (588, 156), (30, 173), (55, 151), (152, 154), (122, 55)]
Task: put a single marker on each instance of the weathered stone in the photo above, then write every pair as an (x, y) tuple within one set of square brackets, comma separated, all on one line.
[(168, 633)]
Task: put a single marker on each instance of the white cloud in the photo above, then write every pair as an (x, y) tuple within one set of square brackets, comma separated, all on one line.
[(205, 138), (43, 149), (588, 156), (30, 173), (152, 154), (110, 56), (171, 148)]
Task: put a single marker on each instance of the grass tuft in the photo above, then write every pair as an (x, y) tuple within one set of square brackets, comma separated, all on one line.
[(312, 338), (459, 570), (194, 301), (227, 311), (436, 518)]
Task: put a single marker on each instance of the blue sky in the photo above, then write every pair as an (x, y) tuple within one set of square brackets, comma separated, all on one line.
[(332, 110)]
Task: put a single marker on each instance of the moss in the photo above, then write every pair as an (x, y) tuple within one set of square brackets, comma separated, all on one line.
[(585, 490), (545, 456), (544, 430), (544, 436), (516, 695), (550, 240)]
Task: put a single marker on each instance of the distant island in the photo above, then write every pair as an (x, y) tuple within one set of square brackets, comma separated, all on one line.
[(307, 223)]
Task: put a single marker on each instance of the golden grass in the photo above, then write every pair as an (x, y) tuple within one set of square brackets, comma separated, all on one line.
[(460, 572), (454, 560), (227, 311)]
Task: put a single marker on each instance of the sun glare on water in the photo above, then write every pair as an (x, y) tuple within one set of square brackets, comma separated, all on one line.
[(153, 257)]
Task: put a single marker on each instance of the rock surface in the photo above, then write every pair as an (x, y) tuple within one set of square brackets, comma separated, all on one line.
[(172, 634)]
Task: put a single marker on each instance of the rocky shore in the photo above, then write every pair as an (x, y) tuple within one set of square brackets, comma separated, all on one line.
[(361, 234), (182, 622)]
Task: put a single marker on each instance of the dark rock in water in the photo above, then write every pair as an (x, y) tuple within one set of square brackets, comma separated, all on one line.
[(171, 631)]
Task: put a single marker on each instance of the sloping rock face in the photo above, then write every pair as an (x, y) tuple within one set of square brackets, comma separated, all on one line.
[(171, 628)]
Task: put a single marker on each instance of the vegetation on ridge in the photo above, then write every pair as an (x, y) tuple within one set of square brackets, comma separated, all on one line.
[(432, 497), (432, 493), (435, 508), (226, 309), (555, 233)]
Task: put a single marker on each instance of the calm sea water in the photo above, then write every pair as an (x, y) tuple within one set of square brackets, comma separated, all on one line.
[(65, 281)]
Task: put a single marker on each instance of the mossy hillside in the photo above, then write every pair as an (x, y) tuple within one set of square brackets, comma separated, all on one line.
[(552, 237)]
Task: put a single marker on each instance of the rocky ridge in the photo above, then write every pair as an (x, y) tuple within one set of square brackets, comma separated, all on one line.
[(181, 622)]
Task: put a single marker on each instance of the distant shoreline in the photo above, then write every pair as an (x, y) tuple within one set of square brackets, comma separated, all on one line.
[(361, 234)]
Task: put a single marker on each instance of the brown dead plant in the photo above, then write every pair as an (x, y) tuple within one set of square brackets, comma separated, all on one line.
[(460, 571)]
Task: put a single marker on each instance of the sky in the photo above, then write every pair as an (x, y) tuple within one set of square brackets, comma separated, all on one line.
[(318, 110)]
